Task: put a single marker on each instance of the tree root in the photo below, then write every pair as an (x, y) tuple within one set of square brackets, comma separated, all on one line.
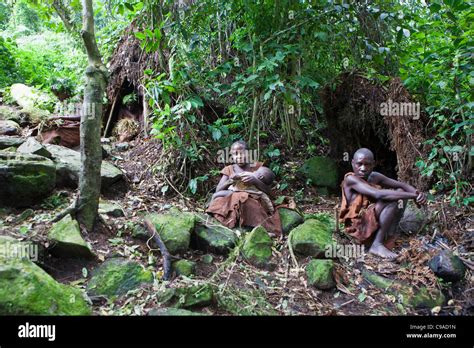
[(167, 271)]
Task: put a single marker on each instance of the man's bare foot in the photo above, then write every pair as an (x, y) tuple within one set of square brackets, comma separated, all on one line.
[(380, 250)]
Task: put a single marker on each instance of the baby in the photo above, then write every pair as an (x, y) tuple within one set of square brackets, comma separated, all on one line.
[(263, 174)]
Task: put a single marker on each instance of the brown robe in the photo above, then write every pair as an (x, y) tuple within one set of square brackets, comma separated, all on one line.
[(243, 208), (359, 216)]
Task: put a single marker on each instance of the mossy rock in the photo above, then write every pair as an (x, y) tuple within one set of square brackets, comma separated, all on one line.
[(184, 267), (9, 127), (111, 208), (289, 219), (320, 274), (407, 294), (199, 295), (311, 238), (413, 220), (175, 229), (448, 266), (257, 248), (68, 164), (322, 171), (65, 236), (25, 179), (32, 146), (173, 312), (25, 289), (116, 277), (7, 141), (214, 238)]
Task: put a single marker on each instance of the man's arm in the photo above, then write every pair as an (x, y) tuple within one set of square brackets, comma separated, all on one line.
[(382, 180), (224, 183), (252, 179), (377, 194)]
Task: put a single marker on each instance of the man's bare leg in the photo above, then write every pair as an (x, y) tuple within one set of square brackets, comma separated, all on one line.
[(389, 215)]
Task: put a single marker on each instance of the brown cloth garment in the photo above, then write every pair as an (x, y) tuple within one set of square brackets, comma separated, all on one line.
[(243, 208), (359, 216)]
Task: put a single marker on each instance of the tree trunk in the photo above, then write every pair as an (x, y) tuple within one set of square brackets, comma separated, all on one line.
[(91, 154)]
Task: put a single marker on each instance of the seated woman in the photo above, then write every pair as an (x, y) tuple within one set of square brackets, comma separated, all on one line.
[(242, 195)]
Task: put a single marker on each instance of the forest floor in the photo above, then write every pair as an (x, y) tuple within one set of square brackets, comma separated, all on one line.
[(283, 290)]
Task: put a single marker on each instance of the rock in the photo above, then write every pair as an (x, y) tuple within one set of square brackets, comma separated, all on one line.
[(406, 293), (174, 312), (214, 238), (175, 229), (322, 171), (311, 238), (25, 179), (116, 277), (194, 296), (25, 289), (139, 231), (289, 219), (9, 113), (30, 98), (413, 219), (111, 209), (32, 146), (68, 164), (184, 267), (6, 141), (67, 241), (257, 248), (320, 274), (9, 127), (207, 259), (448, 266), (121, 147)]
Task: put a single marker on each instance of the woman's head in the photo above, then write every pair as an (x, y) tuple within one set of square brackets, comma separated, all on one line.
[(238, 150)]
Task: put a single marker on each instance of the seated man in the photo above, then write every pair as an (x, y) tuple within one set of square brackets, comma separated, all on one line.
[(262, 173), (373, 204)]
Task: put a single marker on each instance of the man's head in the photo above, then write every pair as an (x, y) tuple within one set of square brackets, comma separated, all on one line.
[(265, 175), (363, 163), (238, 150)]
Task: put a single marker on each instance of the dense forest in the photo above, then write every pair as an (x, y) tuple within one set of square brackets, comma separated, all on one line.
[(119, 119)]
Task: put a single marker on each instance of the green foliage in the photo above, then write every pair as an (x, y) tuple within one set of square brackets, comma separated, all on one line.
[(8, 69)]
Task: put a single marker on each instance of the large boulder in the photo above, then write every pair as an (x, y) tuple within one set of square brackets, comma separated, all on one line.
[(68, 164), (66, 240), (175, 229), (320, 274), (8, 141), (311, 238), (32, 146), (116, 277), (25, 179), (448, 266), (214, 238), (25, 289), (289, 219), (257, 248), (321, 170), (9, 127)]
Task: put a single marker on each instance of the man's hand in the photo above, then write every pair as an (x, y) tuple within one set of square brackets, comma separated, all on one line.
[(248, 177), (421, 199)]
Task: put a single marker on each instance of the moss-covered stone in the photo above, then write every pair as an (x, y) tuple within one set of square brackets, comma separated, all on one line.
[(66, 240), (413, 220), (311, 238), (184, 267), (175, 229), (320, 274), (321, 170), (214, 238), (32, 146), (68, 163), (173, 312), (116, 277), (25, 289), (257, 248), (9, 127), (194, 296), (408, 295), (448, 266), (25, 179), (7, 141), (289, 219), (111, 209)]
